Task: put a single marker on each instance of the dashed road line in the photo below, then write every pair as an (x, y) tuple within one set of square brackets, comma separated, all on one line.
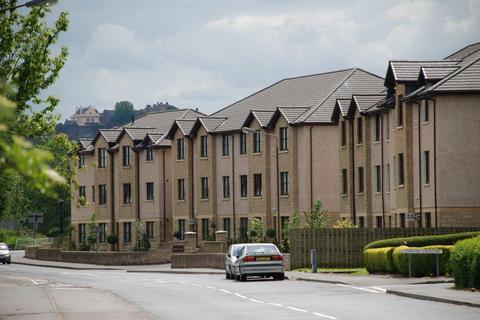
[(276, 304), (240, 296), (255, 300), (225, 291), (323, 315), (297, 309), (210, 287)]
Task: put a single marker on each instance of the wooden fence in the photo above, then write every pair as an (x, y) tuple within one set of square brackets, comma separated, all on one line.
[(343, 248)]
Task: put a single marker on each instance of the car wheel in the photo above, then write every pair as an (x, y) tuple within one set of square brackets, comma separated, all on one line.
[(237, 277), (9, 262), (3, 262), (280, 276), (227, 275), (243, 278)]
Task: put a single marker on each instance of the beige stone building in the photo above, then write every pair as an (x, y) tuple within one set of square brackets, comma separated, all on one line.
[(86, 115)]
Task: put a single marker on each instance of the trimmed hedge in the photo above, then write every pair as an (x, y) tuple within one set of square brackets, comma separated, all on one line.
[(422, 241), (422, 264), (379, 260), (465, 263)]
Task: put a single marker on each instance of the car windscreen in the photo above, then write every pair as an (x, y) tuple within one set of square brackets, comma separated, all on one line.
[(262, 249), (236, 251), (3, 247)]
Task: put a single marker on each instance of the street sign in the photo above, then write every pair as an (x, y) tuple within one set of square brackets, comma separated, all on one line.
[(422, 251), (35, 217), (413, 216)]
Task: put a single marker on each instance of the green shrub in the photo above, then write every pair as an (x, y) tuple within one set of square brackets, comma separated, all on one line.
[(379, 260), (422, 241), (10, 241), (84, 247), (112, 239), (465, 263), (422, 264)]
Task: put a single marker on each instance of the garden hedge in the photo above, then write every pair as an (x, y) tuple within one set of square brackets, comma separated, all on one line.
[(379, 260), (422, 264), (465, 263), (422, 241)]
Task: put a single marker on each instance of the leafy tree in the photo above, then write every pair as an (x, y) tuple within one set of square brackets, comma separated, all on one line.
[(92, 231), (292, 223), (344, 224), (123, 112), (256, 232), (318, 217)]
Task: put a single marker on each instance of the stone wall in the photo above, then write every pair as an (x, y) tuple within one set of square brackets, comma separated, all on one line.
[(100, 258), (198, 260)]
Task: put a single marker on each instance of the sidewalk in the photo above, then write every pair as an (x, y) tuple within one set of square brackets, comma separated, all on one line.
[(439, 289)]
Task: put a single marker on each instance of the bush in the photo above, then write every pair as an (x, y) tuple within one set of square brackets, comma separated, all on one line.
[(422, 264), (84, 247), (271, 233), (465, 263), (379, 260), (422, 241), (112, 239)]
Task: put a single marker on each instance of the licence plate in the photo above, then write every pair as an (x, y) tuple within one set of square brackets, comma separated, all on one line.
[(263, 258)]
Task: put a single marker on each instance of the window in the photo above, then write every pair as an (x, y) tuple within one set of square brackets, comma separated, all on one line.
[(243, 186), (127, 232), (204, 146), (181, 228), (343, 127), (284, 184), (379, 221), (428, 219), (102, 232), (81, 161), (102, 194), (426, 167), (181, 189), (400, 111), (257, 148), (243, 143), (180, 149), (93, 193), (82, 233), (150, 230), (359, 130), (226, 226), (243, 228), (81, 192), (149, 154), (205, 229), (361, 183), (402, 220), (204, 188), (150, 190), (361, 222), (257, 181), (401, 172), (126, 155), (102, 160), (344, 181), (387, 126), (388, 176), (426, 111), (378, 179), (225, 145), (127, 193), (377, 127), (284, 138), (226, 187)]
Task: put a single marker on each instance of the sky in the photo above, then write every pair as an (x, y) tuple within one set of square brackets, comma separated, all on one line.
[(208, 54)]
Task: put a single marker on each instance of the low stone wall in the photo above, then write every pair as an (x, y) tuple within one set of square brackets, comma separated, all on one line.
[(101, 258), (198, 260)]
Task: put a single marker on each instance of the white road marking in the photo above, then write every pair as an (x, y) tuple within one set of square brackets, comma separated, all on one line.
[(297, 309), (358, 288), (240, 296), (210, 287), (276, 304), (70, 288), (225, 291), (379, 289), (255, 300), (39, 281), (197, 285), (323, 315)]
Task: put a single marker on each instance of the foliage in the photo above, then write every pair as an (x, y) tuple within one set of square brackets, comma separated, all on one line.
[(92, 231), (292, 223), (317, 218), (256, 231), (344, 224), (422, 264), (446, 239), (177, 234), (112, 239), (379, 260), (465, 263), (84, 247), (123, 112), (271, 233), (143, 244)]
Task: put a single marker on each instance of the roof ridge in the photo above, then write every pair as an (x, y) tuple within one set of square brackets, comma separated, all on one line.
[(470, 45), (453, 74), (438, 60), (313, 109)]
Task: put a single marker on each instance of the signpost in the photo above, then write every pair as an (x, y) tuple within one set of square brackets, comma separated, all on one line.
[(35, 218), (409, 252)]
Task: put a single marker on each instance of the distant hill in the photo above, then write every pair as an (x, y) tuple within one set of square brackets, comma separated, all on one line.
[(107, 120)]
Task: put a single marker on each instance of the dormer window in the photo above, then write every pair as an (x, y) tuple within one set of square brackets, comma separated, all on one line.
[(127, 155)]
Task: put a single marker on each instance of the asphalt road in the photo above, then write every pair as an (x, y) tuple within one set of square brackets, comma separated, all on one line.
[(28, 292)]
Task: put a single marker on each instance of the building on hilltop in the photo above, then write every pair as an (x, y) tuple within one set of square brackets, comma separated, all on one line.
[(86, 115)]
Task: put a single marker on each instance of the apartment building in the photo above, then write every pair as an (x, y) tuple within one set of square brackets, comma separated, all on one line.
[(417, 166), (124, 177)]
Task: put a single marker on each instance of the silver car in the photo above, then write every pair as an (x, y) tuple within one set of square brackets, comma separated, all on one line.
[(230, 258), (5, 254), (259, 259)]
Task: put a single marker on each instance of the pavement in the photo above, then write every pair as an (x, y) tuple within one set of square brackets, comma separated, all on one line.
[(438, 289)]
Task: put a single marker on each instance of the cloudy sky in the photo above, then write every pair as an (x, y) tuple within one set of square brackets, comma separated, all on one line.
[(208, 54)]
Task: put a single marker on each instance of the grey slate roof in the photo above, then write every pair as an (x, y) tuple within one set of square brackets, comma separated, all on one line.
[(464, 79), (405, 70), (211, 123), (162, 121), (292, 113), (110, 135), (138, 133), (464, 52), (185, 126), (437, 72), (263, 116), (344, 105), (85, 143), (299, 91), (357, 82), (365, 102)]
